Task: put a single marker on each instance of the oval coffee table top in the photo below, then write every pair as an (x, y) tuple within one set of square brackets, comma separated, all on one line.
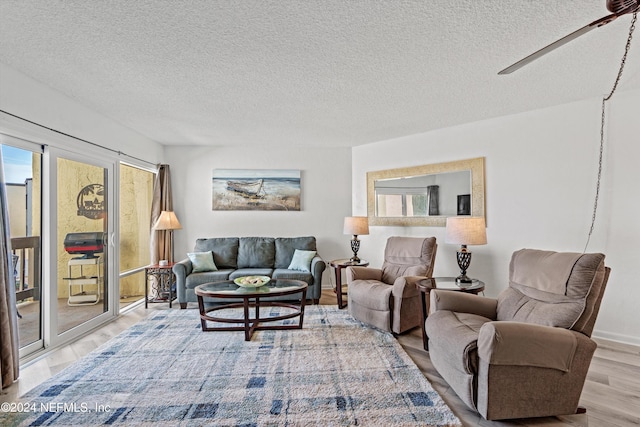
[(228, 289)]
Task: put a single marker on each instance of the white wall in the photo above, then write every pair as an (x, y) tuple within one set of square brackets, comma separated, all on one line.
[(325, 196), (540, 183), (25, 97)]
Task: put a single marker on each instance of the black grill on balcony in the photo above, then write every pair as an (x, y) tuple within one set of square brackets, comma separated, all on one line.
[(86, 244)]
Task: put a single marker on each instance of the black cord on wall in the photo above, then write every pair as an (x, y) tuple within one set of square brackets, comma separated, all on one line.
[(602, 123)]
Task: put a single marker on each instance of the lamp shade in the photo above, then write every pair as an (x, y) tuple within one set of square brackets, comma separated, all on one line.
[(356, 225), (167, 221), (466, 231)]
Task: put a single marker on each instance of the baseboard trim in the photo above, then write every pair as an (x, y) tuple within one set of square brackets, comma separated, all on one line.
[(612, 336)]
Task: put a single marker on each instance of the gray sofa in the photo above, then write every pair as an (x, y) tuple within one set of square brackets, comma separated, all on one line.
[(248, 256)]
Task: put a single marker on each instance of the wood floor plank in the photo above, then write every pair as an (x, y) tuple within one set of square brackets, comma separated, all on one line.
[(602, 415), (622, 405), (629, 383), (614, 368), (606, 354), (598, 377), (617, 346)]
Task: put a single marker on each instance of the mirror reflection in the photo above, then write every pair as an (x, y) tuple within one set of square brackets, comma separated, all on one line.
[(447, 194), (426, 195)]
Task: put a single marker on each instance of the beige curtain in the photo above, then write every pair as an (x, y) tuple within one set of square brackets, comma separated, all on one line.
[(162, 201), (9, 346)]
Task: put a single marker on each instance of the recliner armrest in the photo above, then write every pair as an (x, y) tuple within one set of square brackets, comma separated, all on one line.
[(363, 273), (528, 344), (406, 286), (462, 302)]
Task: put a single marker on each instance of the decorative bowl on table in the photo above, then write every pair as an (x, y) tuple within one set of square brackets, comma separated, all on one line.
[(251, 281)]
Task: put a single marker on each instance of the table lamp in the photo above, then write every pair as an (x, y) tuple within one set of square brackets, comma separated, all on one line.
[(465, 231), (357, 226), (168, 221)]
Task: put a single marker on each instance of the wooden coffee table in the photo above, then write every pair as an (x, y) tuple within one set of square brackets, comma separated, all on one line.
[(251, 298)]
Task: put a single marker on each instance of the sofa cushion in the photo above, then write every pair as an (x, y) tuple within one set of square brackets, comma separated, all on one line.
[(202, 261), (195, 279), (225, 250), (301, 260), (286, 246), (256, 252), (282, 273)]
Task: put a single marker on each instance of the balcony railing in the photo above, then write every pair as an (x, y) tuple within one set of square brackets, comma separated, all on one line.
[(27, 267)]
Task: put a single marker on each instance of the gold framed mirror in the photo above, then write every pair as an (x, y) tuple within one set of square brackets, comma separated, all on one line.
[(426, 195)]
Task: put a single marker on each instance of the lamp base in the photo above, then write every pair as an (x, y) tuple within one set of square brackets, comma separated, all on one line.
[(464, 260), (355, 246), (463, 278)]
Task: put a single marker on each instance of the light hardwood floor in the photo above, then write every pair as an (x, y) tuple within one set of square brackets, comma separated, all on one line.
[(611, 393)]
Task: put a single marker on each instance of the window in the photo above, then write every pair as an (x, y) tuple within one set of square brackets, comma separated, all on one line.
[(136, 194)]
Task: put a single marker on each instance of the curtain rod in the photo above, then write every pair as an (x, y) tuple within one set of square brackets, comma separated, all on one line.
[(120, 153)]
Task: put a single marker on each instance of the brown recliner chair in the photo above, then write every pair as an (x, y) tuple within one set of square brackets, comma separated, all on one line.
[(387, 297), (526, 353)]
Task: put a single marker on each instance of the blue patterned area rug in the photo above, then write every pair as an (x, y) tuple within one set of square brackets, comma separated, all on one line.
[(164, 371)]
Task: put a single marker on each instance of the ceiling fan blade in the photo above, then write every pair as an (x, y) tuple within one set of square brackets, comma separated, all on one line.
[(566, 39)]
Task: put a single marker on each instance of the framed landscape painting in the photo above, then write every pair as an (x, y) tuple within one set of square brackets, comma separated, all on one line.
[(256, 189)]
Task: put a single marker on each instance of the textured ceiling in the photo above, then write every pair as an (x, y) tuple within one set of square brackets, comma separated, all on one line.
[(310, 73)]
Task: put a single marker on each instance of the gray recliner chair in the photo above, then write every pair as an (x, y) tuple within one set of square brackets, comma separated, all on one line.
[(387, 297), (526, 353)]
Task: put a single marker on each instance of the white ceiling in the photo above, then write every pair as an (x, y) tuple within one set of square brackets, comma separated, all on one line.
[(311, 72)]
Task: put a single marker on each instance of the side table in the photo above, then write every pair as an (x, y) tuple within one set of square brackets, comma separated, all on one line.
[(163, 287), (445, 283), (338, 265)]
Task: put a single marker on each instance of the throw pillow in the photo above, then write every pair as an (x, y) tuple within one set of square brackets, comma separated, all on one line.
[(302, 260), (202, 261)]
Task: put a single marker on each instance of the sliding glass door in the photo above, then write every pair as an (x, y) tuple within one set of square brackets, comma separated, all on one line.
[(80, 249), (22, 165)]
